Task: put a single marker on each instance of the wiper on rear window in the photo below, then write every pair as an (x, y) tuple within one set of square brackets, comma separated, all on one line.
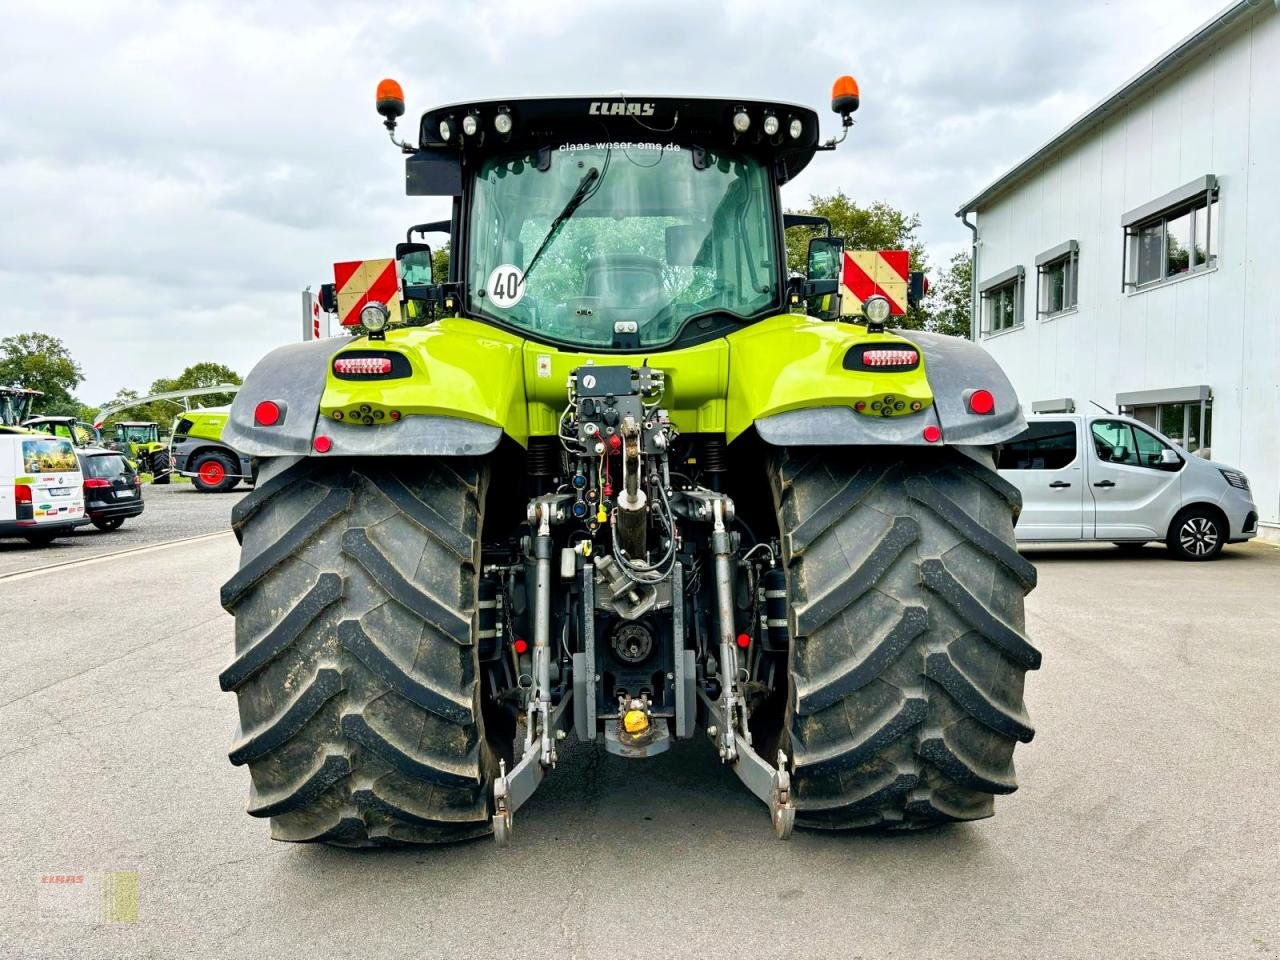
[(579, 197)]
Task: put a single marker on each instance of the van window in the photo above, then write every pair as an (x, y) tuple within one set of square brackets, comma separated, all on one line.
[(1044, 445), (1118, 442), (49, 456)]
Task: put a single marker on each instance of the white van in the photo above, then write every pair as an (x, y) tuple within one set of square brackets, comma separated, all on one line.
[(1108, 477), (41, 488)]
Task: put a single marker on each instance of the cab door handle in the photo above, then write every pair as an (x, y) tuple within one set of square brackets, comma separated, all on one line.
[(1059, 483), (1105, 483)]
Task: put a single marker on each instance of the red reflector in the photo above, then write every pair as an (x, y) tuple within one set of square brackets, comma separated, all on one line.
[(266, 414), (890, 358), (21, 493), (521, 645), (932, 433), (982, 402), (322, 444), (860, 405), (744, 641), (96, 483), (395, 414), (362, 365)]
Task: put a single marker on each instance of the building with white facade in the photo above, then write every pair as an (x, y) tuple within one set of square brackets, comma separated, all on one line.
[(1134, 259)]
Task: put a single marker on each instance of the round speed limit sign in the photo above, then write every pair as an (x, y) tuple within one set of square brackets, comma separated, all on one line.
[(506, 285)]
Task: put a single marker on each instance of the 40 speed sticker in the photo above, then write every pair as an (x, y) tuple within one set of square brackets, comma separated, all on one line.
[(506, 285)]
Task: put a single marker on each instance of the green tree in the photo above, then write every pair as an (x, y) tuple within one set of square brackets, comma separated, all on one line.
[(440, 263), (204, 374), (877, 226), (949, 303), (39, 361)]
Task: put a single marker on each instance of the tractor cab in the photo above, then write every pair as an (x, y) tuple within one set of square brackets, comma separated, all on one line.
[(130, 433), (69, 428), (614, 224), (16, 404)]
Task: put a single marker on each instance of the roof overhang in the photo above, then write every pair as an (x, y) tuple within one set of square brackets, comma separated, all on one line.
[(1152, 75)]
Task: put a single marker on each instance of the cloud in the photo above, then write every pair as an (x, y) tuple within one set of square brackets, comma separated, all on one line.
[(173, 174)]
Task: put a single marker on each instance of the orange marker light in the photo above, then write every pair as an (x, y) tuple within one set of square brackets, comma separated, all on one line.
[(844, 95), (390, 99)]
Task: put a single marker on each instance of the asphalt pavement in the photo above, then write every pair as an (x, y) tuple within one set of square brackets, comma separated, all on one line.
[(170, 512), (1145, 826)]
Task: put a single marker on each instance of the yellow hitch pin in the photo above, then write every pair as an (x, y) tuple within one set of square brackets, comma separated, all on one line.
[(635, 721)]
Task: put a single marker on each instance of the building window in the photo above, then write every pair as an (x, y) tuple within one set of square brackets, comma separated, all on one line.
[(1002, 301), (1186, 424), (1166, 239), (1056, 279)]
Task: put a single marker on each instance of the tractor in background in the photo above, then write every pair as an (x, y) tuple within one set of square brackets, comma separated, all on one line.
[(139, 441), (16, 404)]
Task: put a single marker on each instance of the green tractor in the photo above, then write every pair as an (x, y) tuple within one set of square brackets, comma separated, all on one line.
[(197, 451), (139, 440), (16, 404), (624, 477), (79, 432)]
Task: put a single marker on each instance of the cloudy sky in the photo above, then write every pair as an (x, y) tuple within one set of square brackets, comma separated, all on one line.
[(173, 174)]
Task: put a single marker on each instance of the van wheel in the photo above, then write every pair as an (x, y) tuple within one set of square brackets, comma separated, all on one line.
[(1196, 534), (110, 523), (39, 539)]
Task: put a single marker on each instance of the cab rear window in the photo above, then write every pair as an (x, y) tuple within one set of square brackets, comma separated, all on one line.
[(48, 456), (105, 467), (1044, 445)]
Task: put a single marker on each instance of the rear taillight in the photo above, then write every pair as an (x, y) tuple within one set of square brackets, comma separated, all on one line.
[(268, 413), (21, 493), (980, 402), (365, 366), (890, 358), (96, 483)]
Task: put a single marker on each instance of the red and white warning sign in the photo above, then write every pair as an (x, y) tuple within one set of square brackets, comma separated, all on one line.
[(359, 282), (870, 272)]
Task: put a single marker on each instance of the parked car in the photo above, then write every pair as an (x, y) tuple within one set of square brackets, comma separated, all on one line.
[(1112, 478), (112, 488), (41, 497)]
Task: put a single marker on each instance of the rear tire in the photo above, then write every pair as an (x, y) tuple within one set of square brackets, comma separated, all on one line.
[(1196, 534), (214, 472), (161, 468), (109, 524), (907, 656), (39, 539), (356, 662)]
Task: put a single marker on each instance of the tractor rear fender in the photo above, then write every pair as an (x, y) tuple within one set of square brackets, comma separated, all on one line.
[(954, 367), (455, 393)]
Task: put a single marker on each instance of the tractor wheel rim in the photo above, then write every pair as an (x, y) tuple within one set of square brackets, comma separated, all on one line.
[(1198, 536), (212, 473)]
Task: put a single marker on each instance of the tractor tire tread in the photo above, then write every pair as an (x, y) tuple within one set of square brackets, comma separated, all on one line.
[(908, 650), (355, 669)]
